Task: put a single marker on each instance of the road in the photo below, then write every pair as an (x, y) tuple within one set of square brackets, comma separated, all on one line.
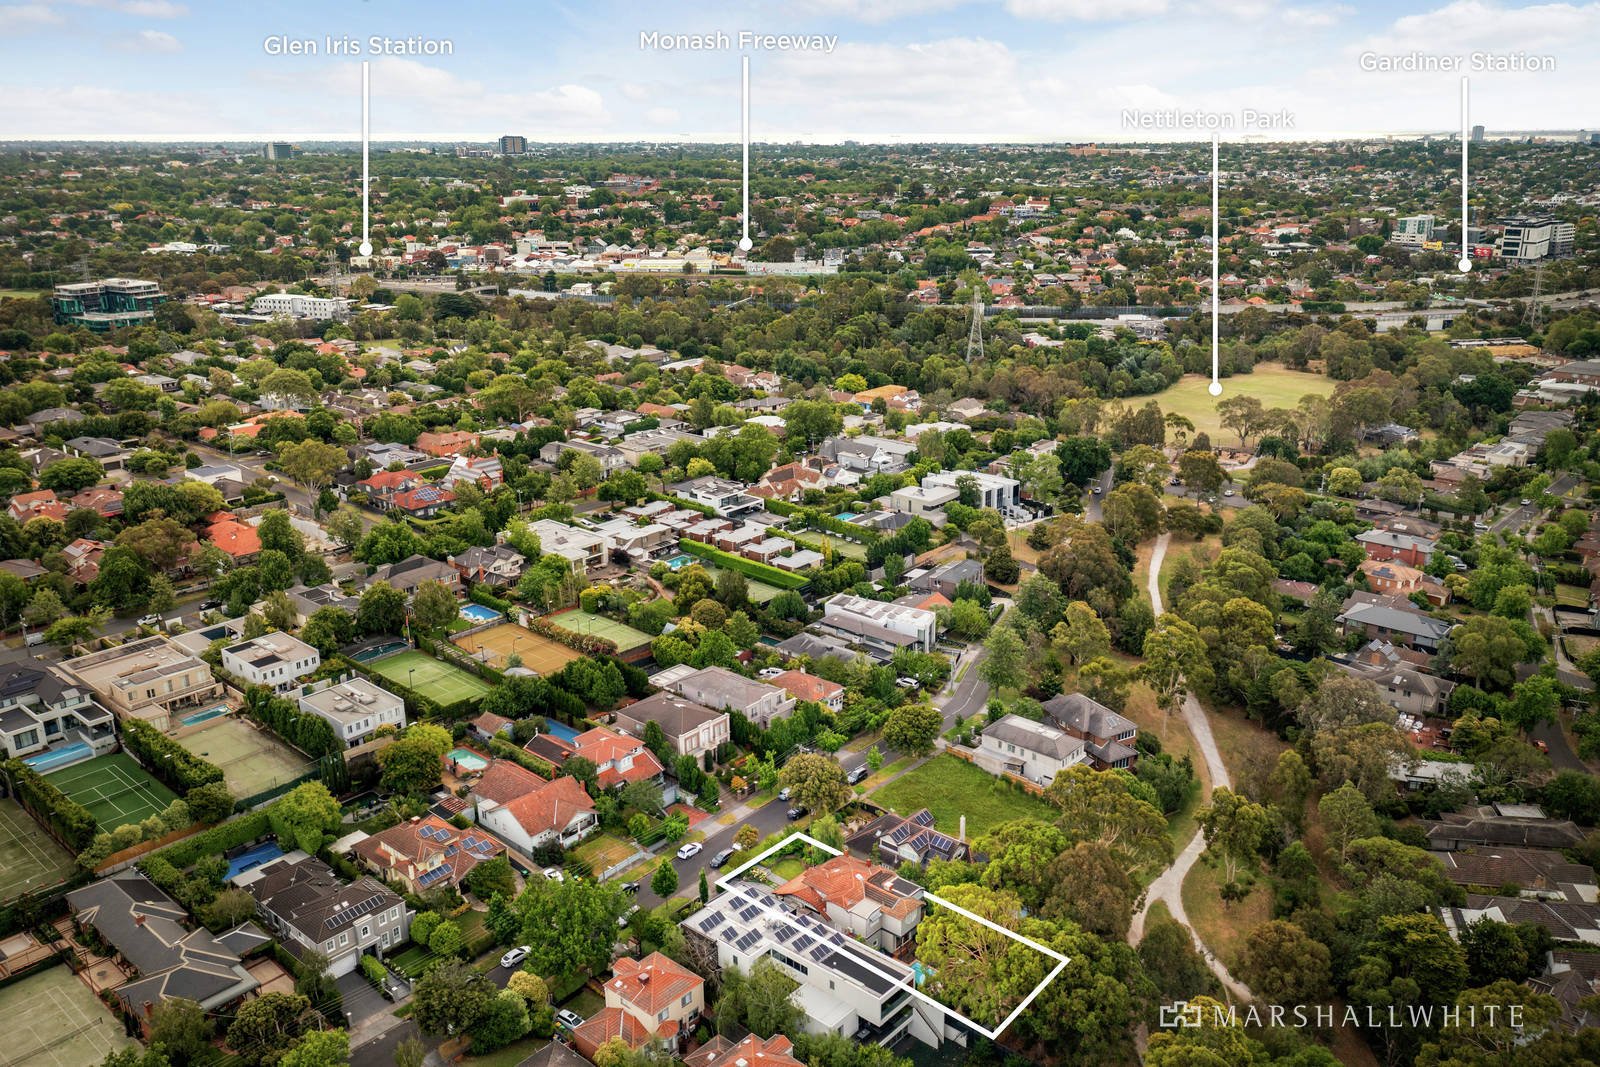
[(379, 1051), (1091, 503), (1522, 514), (1168, 886)]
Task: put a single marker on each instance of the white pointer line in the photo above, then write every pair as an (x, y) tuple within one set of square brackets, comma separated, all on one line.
[(366, 141), (745, 243), (1466, 112), (1216, 288)]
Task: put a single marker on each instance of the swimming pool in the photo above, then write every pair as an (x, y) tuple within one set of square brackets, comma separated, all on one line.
[(252, 858), (203, 716), (367, 655), (477, 613), (57, 758), (559, 729), (677, 563), (846, 516), (467, 760)]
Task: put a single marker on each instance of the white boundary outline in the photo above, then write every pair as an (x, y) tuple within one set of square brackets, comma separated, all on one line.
[(909, 984)]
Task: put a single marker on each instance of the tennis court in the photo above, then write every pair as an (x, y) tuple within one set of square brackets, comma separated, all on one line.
[(252, 761), (624, 636), (538, 653), (29, 858), (426, 676), (55, 1021), (114, 788)]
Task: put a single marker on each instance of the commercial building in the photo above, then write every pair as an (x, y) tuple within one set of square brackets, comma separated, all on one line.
[(277, 150), (148, 679), (300, 306), (108, 304), (513, 144), (1530, 237), (353, 706), (1413, 230), (275, 660)]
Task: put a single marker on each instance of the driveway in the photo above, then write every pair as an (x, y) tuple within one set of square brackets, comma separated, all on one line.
[(365, 1009)]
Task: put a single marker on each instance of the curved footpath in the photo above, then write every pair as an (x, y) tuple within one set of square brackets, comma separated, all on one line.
[(1168, 887)]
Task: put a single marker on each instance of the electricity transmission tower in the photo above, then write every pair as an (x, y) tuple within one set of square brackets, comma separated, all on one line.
[(975, 334), (1535, 309)]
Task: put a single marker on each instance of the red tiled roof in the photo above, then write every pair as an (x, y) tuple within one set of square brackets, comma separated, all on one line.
[(604, 1025), (803, 686), (418, 846), (552, 806), (652, 983), (601, 746), (235, 538)]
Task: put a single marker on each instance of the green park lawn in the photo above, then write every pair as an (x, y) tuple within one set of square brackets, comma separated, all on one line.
[(1274, 385), (951, 788)]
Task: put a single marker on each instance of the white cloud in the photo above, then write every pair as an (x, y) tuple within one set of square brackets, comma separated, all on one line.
[(150, 9), (1085, 10), (19, 18), (662, 116), (871, 11), (152, 41)]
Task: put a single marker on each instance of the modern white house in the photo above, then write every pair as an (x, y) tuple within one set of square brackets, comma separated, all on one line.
[(275, 660), (882, 628), (353, 706), (1028, 749), (994, 490)]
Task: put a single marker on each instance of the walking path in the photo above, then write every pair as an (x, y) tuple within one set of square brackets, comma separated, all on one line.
[(1168, 887)]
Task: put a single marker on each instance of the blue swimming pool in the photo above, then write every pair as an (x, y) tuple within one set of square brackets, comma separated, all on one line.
[(846, 516), (57, 758), (677, 563), (367, 655), (559, 729), (466, 760), (203, 716), (477, 613), (252, 858)]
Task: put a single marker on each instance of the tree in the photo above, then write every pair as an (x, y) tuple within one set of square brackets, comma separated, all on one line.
[(409, 766), (346, 525), (1241, 414), (1175, 656), (265, 1027), (388, 542), (1201, 472), (1171, 961), (1361, 755), (228, 909), (763, 1000), (1534, 700), (624, 486), (303, 815), (1106, 807), (1344, 481), (1003, 666), (319, 1048), (180, 1027), (71, 475), (1410, 960), (162, 541), (806, 422), (433, 605), (328, 630), (451, 998), (1088, 885), (72, 630), (382, 610), (445, 940), (1235, 828), (664, 882), (913, 728), (1080, 636), (1341, 699), (1082, 458), (705, 887), (1289, 787), (505, 1021), (1000, 567), (45, 608), (410, 1053), (569, 925), (816, 781), (1346, 817), (530, 987), (1133, 512), (1283, 965)]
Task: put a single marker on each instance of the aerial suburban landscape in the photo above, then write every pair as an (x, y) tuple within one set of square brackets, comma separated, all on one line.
[(567, 599)]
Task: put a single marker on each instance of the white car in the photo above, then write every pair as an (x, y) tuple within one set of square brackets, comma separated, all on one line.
[(555, 874), (770, 672), (907, 683), (691, 849), (150, 620), (515, 956)]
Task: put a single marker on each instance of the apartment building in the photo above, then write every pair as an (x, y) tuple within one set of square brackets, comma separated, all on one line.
[(1413, 231), (275, 660), (108, 304), (353, 706), (148, 679), (300, 306)]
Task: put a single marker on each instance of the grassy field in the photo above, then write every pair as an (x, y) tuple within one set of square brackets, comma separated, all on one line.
[(57, 1022), (758, 592), (538, 653), (20, 294), (252, 760), (1273, 385), (430, 678), (1223, 926), (114, 788), (625, 637), (951, 788), (29, 857)]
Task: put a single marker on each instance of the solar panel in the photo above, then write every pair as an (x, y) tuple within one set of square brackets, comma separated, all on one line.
[(748, 941), (711, 922), (746, 914), (805, 942), (429, 877), (821, 952)]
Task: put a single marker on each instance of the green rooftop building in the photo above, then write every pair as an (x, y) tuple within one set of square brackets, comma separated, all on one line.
[(108, 304)]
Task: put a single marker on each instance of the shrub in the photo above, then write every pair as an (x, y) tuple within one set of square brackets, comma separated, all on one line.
[(175, 766), (69, 820), (761, 572)]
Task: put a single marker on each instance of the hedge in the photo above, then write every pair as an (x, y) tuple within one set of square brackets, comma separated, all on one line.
[(521, 757), (66, 818), (588, 644), (761, 572), (311, 734), (218, 839), (482, 594), (169, 762)]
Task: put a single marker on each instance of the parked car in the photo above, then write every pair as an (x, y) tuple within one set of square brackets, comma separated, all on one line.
[(568, 1020), (1480, 526), (783, 794), (630, 887), (720, 860), (859, 775), (555, 874), (770, 672), (796, 812), (515, 956), (150, 620), (627, 916), (1526, 502), (907, 683), (1541, 746), (691, 849)]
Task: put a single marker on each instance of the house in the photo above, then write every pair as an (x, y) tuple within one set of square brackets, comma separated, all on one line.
[(727, 498), (238, 539), (353, 706), (803, 686), (424, 501), (868, 901), (1396, 579), (1561, 919), (1409, 690), (882, 629), (148, 679), (718, 687), (41, 504), (611, 459), (108, 453), (1405, 548), (496, 565), (1108, 737), (102, 499), (994, 491), (691, 730), (1393, 623), (845, 987), (146, 929), (307, 600), (1572, 976), (489, 726), (275, 660), (306, 906), (446, 444), (653, 1000), (485, 472), (1542, 870), (426, 853), (527, 811), (898, 839), (581, 548), (1500, 825), (753, 1051), (1028, 749), (385, 485), (618, 758), (947, 577), (412, 572), (41, 711), (868, 454)]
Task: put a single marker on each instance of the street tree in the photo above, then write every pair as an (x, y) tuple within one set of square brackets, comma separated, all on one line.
[(816, 781)]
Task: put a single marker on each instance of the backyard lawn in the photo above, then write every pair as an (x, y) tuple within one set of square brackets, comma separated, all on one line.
[(951, 788), (1274, 385)]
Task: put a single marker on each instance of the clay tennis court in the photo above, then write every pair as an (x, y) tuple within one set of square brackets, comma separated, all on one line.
[(538, 653)]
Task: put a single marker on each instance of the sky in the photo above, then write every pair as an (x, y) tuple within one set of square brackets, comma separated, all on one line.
[(901, 71)]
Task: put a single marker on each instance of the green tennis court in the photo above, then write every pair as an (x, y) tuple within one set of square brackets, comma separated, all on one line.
[(29, 858), (54, 1020), (625, 637), (114, 788), (426, 676)]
